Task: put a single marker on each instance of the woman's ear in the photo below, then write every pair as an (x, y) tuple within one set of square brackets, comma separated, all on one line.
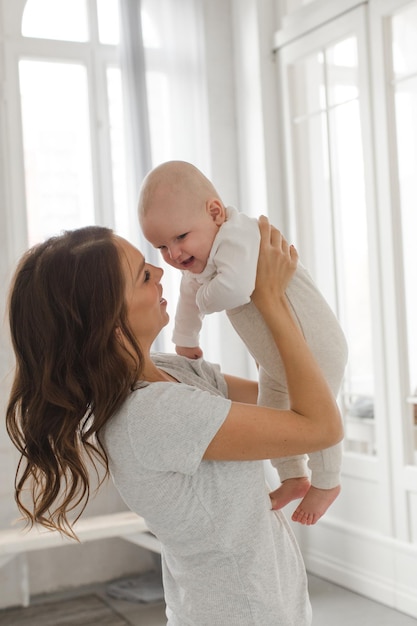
[(216, 210)]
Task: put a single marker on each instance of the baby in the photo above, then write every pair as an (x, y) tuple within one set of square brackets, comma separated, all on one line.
[(216, 248)]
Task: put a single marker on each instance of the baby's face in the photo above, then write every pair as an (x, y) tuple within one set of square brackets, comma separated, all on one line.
[(183, 233)]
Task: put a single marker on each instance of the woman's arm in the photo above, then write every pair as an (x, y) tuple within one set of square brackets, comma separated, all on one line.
[(313, 421), (242, 389)]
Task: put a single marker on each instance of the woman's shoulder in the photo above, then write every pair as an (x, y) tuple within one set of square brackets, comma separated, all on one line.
[(196, 372)]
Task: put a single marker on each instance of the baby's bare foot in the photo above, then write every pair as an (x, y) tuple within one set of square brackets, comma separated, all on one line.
[(290, 489), (314, 504)]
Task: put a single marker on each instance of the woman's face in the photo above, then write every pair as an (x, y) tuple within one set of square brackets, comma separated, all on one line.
[(146, 308)]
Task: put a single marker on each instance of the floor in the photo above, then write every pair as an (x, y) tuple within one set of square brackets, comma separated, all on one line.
[(94, 607)]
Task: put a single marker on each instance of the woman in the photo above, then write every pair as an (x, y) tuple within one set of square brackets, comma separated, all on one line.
[(183, 443)]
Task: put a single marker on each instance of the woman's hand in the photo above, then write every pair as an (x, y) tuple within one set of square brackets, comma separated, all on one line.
[(277, 263)]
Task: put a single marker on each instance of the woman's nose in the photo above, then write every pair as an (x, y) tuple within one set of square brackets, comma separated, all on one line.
[(157, 273)]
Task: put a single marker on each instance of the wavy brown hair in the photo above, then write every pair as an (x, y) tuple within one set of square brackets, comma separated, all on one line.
[(72, 373)]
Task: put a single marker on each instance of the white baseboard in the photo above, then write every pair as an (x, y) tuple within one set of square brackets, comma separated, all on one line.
[(378, 567)]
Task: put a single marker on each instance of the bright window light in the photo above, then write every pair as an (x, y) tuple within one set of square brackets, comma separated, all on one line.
[(56, 19)]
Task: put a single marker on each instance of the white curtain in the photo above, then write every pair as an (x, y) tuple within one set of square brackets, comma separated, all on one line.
[(163, 66), (163, 72), (138, 143), (135, 91)]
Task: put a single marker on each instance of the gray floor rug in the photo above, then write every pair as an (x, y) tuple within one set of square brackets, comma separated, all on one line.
[(145, 588)]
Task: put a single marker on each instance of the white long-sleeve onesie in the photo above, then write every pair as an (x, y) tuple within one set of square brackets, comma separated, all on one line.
[(227, 283)]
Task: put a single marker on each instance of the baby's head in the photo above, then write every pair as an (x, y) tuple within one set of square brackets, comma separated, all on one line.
[(180, 213)]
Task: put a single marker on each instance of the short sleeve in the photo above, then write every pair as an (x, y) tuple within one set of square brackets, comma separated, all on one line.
[(195, 372), (171, 425)]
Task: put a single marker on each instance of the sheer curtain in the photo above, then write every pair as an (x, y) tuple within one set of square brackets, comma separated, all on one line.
[(166, 72), (163, 69), (132, 60), (162, 58)]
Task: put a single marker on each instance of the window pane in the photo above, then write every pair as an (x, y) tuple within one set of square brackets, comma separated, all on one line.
[(329, 189), (406, 107), (56, 139), (342, 71), (56, 19), (404, 41), (404, 47), (108, 21), (313, 200), (350, 216), (307, 79), (405, 104)]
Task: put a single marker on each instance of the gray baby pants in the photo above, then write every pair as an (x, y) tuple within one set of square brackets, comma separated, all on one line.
[(328, 344)]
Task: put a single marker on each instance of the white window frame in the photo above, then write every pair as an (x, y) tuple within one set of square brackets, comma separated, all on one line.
[(394, 469), (402, 442), (353, 20), (95, 57)]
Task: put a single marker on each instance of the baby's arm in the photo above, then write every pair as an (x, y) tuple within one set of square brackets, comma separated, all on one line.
[(190, 353), (188, 320), (235, 261)]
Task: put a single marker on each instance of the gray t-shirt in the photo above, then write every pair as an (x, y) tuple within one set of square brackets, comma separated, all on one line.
[(228, 560)]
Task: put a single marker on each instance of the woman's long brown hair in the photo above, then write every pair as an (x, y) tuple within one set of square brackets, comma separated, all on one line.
[(72, 373)]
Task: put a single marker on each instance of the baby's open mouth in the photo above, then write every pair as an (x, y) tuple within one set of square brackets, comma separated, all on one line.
[(188, 262)]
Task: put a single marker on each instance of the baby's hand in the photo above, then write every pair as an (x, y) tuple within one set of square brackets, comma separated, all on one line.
[(190, 353)]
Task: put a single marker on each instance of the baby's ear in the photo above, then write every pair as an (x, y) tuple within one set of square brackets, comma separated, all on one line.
[(216, 210)]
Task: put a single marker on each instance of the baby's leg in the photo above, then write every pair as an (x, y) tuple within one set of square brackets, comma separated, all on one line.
[(328, 344), (250, 326), (292, 470), (325, 485)]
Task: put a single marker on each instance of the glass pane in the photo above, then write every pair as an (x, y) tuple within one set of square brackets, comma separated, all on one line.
[(56, 140), (108, 21), (312, 198), (404, 41), (329, 190), (350, 215), (351, 256), (307, 82), (342, 71), (406, 120), (118, 151), (56, 19), (404, 54)]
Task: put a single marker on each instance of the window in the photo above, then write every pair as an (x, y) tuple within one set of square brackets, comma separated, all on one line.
[(72, 164), (57, 149), (351, 159), (66, 20), (402, 27), (329, 203), (72, 117)]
